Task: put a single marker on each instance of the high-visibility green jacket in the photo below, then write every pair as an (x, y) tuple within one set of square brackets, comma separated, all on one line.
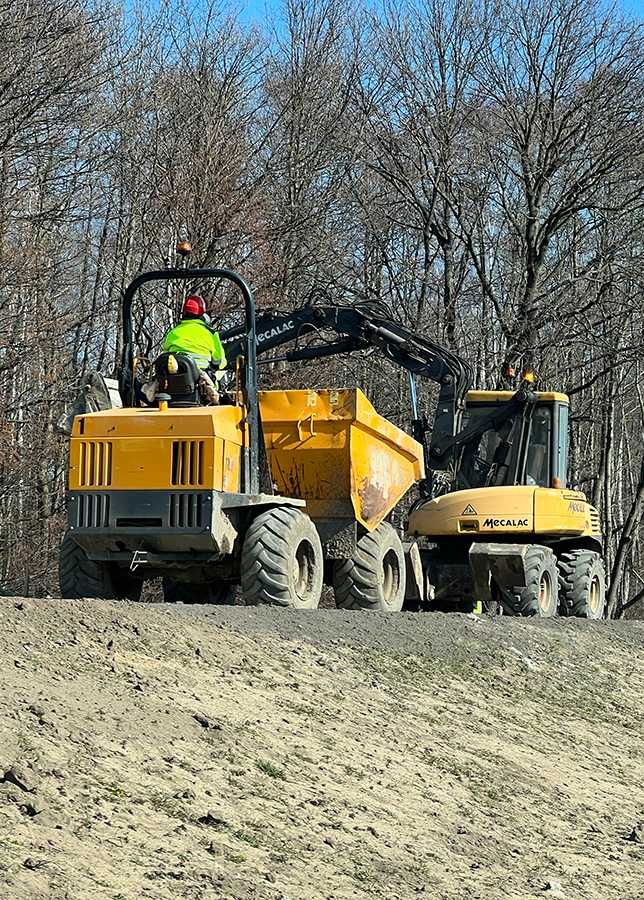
[(193, 337)]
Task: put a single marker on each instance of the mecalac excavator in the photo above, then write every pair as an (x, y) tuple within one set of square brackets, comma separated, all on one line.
[(495, 525)]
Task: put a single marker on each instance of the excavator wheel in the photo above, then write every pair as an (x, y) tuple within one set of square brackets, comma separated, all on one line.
[(582, 584), (374, 577), (281, 560), (80, 577), (218, 593), (540, 595)]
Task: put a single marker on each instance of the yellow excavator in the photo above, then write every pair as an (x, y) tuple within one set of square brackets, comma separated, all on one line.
[(510, 534), (495, 525)]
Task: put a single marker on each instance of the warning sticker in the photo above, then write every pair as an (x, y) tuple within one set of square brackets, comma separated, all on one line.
[(469, 511)]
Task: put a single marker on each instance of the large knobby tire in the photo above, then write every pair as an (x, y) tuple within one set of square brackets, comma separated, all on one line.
[(582, 584), (80, 577), (281, 560), (219, 593), (540, 596), (374, 577)]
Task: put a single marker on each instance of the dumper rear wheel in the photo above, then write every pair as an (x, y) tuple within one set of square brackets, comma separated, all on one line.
[(281, 560), (540, 595), (218, 593), (374, 577), (80, 577), (582, 584)]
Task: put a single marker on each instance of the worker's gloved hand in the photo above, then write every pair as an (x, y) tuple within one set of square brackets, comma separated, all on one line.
[(208, 390), (149, 390)]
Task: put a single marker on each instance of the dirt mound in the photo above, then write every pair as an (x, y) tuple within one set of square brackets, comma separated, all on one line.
[(177, 752)]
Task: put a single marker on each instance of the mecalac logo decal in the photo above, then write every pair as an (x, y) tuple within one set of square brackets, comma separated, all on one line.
[(577, 507), (275, 332), (505, 523), (469, 511)]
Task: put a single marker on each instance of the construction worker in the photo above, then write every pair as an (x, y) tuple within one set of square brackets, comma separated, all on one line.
[(193, 337)]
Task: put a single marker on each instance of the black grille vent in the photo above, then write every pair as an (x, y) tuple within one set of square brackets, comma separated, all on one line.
[(93, 510), (187, 463), (95, 464), (186, 510)]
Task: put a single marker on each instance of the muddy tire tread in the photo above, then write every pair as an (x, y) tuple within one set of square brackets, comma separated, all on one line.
[(576, 569), (267, 555), (524, 601), (355, 580), (80, 577)]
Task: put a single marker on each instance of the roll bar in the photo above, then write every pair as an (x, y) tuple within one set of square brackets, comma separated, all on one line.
[(126, 373)]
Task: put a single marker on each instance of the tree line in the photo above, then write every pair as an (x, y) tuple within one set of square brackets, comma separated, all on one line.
[(475, 164)]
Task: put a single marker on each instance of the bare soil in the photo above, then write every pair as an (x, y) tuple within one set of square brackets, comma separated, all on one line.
[(149, 751)]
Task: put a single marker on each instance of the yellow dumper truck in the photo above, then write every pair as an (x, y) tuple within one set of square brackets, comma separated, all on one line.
[(270, 491)]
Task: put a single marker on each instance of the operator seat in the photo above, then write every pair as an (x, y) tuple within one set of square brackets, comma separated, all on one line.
[(183, 385)]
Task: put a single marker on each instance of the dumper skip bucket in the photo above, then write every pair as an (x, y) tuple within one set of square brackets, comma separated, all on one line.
[(332, 449)]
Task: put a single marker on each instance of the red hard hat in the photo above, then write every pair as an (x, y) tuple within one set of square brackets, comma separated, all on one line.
[(195, 305)]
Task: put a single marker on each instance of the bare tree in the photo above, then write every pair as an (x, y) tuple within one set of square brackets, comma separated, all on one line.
[(562, 137), (476, 165)]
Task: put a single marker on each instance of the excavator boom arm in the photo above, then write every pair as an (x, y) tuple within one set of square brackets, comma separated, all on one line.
[(368, 325)]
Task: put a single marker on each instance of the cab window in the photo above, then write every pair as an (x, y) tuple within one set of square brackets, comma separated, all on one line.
[(538, 460), (487, 460), (561, 463)]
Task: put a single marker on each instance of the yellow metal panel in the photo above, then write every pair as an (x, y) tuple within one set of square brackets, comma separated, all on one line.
[(306, 435), (199, 421), (331, 448), (231, 470), (385, 462), (561, 513), (93, 462), (485, 512), (219, 446), (188, 462), (504, 396), (196, 448)]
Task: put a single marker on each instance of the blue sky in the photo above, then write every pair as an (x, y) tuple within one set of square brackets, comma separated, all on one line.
[(256, 10), (260, 10)]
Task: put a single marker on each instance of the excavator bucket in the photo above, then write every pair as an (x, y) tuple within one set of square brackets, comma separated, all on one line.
[(332, 449)]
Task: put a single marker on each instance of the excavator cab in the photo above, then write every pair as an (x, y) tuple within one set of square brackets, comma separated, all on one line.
[(529, 447), (508, 532)]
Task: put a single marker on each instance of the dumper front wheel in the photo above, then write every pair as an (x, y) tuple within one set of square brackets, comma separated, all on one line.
[(374, 577), (80, 576), (281, 560)]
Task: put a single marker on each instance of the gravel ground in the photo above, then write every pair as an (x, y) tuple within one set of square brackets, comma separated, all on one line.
[(154, 751), (424, 634)]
